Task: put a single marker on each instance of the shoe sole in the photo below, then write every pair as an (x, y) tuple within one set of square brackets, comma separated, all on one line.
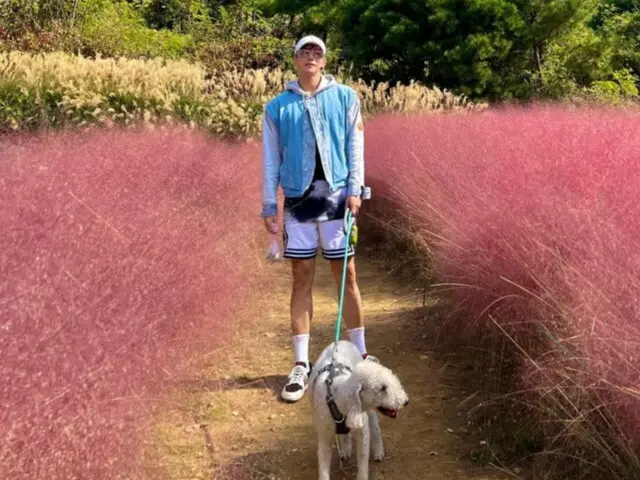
[(304, 390), (294, 399)]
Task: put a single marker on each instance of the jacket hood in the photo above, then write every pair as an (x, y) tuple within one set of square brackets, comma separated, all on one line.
[(328, 81)]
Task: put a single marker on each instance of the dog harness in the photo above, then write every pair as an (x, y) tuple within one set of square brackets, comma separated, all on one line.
[(335, 369)]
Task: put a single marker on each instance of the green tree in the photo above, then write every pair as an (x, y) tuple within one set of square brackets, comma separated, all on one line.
[(461, 44), (578, 60), (552, 21), (490, 48), (319, 17), (619, 22)]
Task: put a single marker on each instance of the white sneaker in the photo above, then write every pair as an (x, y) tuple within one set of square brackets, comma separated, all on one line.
[(297, 383)]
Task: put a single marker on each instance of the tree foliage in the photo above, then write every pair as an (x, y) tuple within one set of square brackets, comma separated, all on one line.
[(497, 49), (481, 47)]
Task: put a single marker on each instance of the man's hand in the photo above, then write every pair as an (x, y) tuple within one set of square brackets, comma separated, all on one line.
[(271, 224), (353, 204)]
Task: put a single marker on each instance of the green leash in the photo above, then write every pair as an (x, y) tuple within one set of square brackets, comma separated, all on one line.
[(349, 233)]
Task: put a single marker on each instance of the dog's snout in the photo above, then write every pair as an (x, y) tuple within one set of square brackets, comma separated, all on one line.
[(406, 402)]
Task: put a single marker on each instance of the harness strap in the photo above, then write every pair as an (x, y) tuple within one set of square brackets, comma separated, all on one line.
[(338, 417), (335, 369)]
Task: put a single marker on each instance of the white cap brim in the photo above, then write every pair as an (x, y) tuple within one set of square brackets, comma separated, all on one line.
[(313, 40)]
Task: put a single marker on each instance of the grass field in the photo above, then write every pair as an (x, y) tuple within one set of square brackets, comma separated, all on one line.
[(125, 253), (526, 222), (123, 256)]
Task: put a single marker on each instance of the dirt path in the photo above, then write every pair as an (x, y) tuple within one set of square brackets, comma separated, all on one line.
[(228, 422)]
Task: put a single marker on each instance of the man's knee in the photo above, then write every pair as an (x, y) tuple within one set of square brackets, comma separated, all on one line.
[(303, 271), (351, 279), (337, 268)]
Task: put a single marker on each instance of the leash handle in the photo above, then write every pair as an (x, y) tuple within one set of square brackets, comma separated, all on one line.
[(348, 221)]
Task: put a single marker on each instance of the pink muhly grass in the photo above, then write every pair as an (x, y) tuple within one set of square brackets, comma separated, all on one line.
[(122, 254), (532, 220)]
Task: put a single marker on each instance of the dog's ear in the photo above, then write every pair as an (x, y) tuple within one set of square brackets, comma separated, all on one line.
[(355, 416)]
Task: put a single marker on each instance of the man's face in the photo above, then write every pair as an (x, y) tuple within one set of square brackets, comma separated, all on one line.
[(310, 59)]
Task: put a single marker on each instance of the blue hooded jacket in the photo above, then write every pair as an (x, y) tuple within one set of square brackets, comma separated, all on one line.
[(293, 123)]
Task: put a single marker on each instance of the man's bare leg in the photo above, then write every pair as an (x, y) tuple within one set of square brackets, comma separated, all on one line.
[(353, 311), (301, 305), (301, 311)]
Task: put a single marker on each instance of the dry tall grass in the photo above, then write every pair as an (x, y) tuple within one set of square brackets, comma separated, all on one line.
[(57, 89)]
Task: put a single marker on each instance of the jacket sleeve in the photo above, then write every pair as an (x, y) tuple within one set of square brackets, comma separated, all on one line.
[(270, 167), (355, 149)]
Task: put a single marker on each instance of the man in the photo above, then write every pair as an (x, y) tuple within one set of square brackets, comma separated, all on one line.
[(313, 147)]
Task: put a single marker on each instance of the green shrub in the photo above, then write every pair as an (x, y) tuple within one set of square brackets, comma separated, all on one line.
[(246, 52), (622, 87), (19, 107), (627, 81), (190, 17), (116, 29)]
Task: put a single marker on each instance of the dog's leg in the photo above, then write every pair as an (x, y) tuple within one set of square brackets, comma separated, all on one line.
[(362, 450), (344, 442), (377, 446), (325, 445)]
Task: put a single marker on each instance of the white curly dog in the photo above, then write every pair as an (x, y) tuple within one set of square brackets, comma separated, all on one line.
[(355, 390)]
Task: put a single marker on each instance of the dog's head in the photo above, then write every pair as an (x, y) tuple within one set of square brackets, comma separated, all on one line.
[(375, 387)]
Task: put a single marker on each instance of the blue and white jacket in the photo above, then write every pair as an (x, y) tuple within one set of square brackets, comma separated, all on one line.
[(291, 124)]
